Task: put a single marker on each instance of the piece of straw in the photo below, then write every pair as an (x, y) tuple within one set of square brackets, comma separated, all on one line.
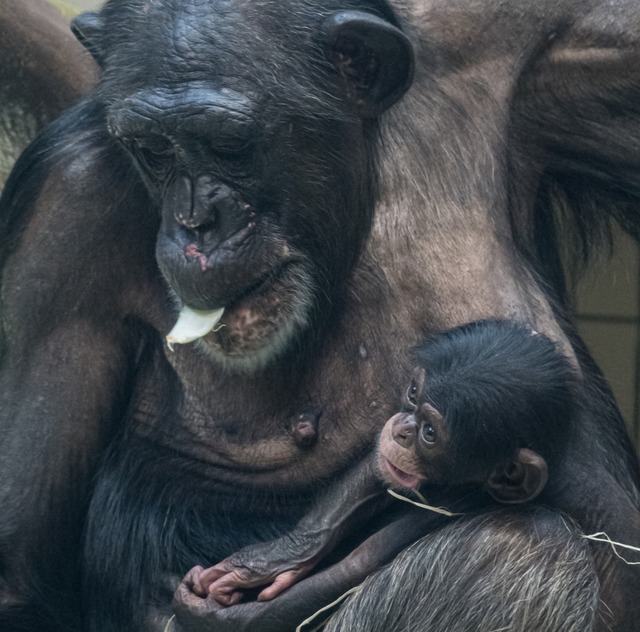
[(169, 625), (601, 536), (315, 615), (424, 505)]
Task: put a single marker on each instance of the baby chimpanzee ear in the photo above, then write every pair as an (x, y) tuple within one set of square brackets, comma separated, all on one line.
[(520, 480)]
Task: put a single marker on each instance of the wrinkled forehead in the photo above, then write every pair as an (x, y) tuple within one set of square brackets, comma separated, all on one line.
[(238, 43)]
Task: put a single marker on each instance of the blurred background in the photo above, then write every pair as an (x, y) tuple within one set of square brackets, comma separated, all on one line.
[(608, 304), (608, 310), (70, 7)]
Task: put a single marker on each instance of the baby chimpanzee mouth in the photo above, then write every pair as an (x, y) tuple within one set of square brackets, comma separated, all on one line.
[(404, 479)]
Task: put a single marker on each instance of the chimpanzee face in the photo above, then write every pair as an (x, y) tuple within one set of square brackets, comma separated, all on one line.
[(254, 133), (417, 447), (414, 444)]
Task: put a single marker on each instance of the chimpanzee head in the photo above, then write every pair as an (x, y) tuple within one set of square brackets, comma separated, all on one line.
[(490, 403), (253, 126)]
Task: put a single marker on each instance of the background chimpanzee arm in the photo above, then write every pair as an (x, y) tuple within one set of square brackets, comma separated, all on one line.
[(43, 70), (68, 339), (197, 614)]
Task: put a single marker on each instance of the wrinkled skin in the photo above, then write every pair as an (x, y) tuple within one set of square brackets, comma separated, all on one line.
[(352, 218)]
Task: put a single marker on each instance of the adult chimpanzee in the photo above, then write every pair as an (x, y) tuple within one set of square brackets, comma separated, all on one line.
[(243, 155), (43, 70), (488, 416)]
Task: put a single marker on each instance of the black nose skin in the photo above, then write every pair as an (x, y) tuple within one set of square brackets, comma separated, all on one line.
[(209, 209)]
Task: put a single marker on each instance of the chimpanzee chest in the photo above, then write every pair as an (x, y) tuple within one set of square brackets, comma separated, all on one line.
[(247, 431)]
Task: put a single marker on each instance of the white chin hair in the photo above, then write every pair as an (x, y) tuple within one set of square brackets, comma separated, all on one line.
[(256, 359), (250, 343)]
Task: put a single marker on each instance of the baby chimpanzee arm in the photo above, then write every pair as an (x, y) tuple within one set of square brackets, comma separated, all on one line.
[(282, 562), (309, 595)]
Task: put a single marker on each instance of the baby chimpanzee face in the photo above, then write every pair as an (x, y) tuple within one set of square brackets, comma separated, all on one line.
[(414, 444), (416, 448)]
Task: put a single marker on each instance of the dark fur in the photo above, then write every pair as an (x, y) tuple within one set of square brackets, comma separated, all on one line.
[(91, 401), (500, 388), (489, 416)]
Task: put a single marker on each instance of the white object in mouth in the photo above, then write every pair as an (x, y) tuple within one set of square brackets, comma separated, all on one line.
[(193, 324)]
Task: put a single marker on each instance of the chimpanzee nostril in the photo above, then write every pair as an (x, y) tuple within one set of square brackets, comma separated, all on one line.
[(404, 430), (204, 205), (191, 222)]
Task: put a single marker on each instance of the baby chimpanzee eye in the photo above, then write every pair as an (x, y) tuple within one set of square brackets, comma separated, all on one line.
[(412, 394), (428, 433)]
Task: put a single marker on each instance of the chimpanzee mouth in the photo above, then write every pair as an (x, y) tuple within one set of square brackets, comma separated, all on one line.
[(404, 479), (263, 284), (257, 323)]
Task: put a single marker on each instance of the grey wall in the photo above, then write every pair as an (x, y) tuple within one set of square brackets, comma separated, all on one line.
[(608, 306)]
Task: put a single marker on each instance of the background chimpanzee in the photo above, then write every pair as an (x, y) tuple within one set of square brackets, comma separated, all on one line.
[(488, 415), (43, 70), (268, 158)]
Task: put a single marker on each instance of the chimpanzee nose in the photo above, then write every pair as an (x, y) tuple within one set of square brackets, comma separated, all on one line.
[(193, 202), (404, 430), (207, 206)]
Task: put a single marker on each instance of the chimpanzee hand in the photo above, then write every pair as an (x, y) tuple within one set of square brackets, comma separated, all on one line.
[(280, 563), (199, 612), (204, 614)]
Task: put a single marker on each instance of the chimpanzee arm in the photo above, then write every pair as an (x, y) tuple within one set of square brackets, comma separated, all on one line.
[(52, 433), (198, 614), (348, 504), (67, 347)]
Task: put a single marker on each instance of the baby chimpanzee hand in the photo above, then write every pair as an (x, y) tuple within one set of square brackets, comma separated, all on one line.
[(277, 565)]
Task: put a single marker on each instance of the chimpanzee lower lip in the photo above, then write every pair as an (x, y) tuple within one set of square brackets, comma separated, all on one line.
[(260, 325), (404, 479), (263, 284), (282, 273)]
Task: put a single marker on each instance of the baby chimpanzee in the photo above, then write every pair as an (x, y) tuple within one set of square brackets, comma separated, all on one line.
[(490, 404), (486, 419)]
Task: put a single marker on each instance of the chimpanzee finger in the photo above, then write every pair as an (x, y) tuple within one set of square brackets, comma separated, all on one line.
[(186, 593), (281, 583), (239, 578), (192, 581), (226, 599), (210, 575)]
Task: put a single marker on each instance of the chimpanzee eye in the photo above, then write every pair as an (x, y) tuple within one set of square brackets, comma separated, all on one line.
[(234, 156), (232, 148), (412, 394), (155, 145), (428, 433), (154, 153)]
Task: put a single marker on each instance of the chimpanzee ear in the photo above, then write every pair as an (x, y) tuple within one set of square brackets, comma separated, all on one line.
[(521, 480), (88, 29), (374, 57)]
